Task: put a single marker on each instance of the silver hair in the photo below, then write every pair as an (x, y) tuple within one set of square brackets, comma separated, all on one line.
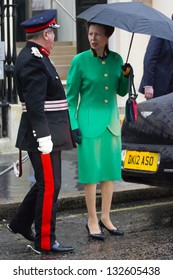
[(36, 35)]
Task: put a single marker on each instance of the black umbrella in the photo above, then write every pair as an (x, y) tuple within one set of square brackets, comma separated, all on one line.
[(131, 16)]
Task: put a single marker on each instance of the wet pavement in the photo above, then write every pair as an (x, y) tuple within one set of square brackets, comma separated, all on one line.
[(13, 189), (150, 228)]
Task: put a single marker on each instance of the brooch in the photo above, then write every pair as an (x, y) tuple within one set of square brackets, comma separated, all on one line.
[(36, 52)]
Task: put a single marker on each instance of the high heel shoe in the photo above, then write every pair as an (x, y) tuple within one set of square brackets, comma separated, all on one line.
[(111, 231), (97, 236)]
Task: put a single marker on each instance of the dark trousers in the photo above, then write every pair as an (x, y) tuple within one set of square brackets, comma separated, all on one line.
[(40, 202)]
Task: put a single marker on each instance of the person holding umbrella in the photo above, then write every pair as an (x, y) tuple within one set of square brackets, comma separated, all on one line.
[(94, 79)]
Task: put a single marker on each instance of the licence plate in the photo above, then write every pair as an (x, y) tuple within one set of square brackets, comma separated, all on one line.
[(139, 160)]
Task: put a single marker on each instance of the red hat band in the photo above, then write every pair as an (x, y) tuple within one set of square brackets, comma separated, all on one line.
[(39, 28)]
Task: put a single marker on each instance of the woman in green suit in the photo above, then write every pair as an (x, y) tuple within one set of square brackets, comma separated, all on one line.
[(95, 78)]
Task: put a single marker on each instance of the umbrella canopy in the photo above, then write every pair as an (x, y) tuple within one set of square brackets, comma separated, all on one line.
[(134, 17)]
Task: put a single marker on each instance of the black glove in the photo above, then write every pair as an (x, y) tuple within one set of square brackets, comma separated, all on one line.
[(77, 135), (127, 68)]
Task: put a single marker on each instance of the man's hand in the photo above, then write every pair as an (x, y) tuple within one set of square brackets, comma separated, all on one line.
[(45, 144), (148, 92), (77, 135), (127, 68)]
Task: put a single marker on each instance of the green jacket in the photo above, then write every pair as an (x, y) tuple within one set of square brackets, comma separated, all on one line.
[(92, 86)]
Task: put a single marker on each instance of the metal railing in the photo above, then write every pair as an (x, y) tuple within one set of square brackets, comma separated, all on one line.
[(63, 8), (7, 84)]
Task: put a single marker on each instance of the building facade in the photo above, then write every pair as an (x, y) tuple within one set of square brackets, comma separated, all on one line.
[(66, 13)]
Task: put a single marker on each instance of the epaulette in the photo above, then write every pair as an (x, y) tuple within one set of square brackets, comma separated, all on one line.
[(35, 51)]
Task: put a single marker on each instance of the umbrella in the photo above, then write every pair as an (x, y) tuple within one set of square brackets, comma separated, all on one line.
[(134, 17)]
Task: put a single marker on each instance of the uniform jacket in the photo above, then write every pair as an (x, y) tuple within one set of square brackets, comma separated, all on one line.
[(158, 67), (37, 81), (94, 84)]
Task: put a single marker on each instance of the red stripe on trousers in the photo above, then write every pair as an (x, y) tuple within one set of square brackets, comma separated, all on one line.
[(47, 201)]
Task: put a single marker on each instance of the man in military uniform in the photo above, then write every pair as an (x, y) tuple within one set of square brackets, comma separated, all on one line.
[(44, 132)]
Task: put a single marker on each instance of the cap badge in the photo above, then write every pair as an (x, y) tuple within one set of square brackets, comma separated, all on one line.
[(36, 52)]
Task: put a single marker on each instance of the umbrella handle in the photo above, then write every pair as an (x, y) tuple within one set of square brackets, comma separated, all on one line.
[(130, 47)]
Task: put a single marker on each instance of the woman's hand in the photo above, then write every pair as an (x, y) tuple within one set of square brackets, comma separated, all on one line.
[(127, 68), (77, 135)]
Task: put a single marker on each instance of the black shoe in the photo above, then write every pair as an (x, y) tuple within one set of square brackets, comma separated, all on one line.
[(29, 235), (61, 249), (57, 248), (97, 236), (111, 231)]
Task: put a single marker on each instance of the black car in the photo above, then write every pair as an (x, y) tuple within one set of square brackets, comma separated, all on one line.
[(147, 144)]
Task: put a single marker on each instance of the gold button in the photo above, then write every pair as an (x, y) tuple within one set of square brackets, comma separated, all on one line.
[(103, 62), (106, 101), (105, 75), (106, 88)]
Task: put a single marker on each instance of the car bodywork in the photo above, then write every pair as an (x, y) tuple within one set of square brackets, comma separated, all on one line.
[(147, 144)]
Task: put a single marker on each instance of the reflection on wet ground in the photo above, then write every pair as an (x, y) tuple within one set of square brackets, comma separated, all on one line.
[(13, 188), (147, 226)]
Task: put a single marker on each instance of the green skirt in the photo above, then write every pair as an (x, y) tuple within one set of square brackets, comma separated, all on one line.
[(99, 159)]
